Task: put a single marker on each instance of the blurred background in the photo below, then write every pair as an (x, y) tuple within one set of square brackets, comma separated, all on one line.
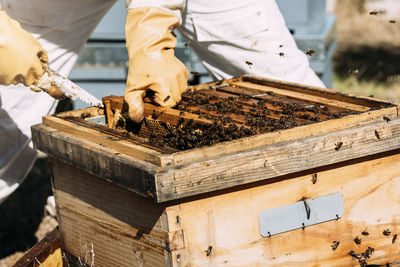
[(357, 50)]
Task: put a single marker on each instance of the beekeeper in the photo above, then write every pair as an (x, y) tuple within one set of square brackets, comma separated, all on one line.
[(231, 38)]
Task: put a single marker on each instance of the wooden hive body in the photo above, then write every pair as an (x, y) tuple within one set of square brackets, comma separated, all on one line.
[(143, 205)]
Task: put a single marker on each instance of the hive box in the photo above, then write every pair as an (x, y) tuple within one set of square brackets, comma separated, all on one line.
[(279, 198)]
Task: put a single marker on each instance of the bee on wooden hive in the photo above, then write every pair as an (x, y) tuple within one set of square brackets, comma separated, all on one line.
[(387, 232), (392, 21), (310, 52), (377, 134), (208, 251), (386, 119), (394, 238), (356, 255), (155, 114), (281, 54), (374, 13), (335, 245), (338, 145)]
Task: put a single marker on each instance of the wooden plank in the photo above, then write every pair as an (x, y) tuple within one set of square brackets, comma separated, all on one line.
[(277, 159), (296, 95), (104, 224), (127, 172), (131, 147), (228, 220), (172, 116), (317, 91), (72, 149), (325, 127), (46, 252), (86, 112)]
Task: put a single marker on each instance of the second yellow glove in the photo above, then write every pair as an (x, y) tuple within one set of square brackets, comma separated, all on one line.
[(152, 63)]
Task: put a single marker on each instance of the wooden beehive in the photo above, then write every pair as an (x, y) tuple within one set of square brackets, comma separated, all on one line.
[(124, 201)]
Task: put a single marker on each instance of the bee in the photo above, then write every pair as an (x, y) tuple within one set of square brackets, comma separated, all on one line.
[(155, 115), (357, 240), (364, 232), (195, 73), (374, 13), (167, 98), (280, 46), (358, 256), (386, 119), (281, 54), (338, 145), (368, 252), (173, 34), (310, 52), (335, 245), (386, 232), (355, 71), (85, 115), (363, 263), (314, 178), (392, 21), (249, 63), (394, 238), (187, 44), (208, 251), (181, 113), (377, 134)]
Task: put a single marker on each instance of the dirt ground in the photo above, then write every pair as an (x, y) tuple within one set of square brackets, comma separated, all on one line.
[(23, 219), (366, 63)]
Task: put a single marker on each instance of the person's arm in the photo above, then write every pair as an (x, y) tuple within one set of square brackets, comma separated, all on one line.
[(152, 63), (23, 59)]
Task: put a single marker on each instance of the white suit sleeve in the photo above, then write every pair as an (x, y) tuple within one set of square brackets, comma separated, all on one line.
[(174, 6)]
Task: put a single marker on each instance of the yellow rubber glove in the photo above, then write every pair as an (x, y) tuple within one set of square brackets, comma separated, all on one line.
[(23, 60), (152, 63)]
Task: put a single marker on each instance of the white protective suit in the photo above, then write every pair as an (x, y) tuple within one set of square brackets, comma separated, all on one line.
[(224, 34)]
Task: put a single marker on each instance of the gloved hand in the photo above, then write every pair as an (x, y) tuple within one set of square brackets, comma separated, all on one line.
[(23, 59), (152, 63)]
